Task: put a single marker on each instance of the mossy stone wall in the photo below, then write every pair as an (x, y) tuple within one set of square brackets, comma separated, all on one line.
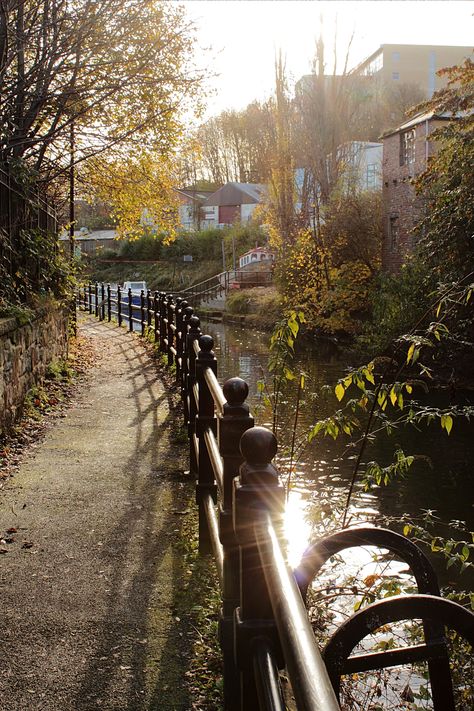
[(26, 350)]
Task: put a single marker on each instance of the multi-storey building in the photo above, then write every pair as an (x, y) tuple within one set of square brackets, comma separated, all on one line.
[(412, 64)]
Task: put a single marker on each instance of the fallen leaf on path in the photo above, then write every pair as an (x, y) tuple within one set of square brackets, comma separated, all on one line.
[(27, 544)]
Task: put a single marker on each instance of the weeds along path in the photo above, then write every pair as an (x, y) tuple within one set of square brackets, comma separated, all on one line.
[(90, 579)]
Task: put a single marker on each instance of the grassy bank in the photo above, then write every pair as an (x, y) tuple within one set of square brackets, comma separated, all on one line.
[(162, 265)]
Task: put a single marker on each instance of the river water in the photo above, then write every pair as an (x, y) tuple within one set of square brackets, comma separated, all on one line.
[(441, 479)]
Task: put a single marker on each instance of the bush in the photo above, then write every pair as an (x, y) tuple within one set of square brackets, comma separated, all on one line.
[(397, 303)]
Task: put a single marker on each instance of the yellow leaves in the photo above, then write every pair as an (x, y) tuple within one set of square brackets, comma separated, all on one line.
[(447, 423), (413, 354), (339, 390), (139, 192)]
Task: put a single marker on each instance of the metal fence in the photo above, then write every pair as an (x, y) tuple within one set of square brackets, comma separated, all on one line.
[(264, 625), (21, 210)]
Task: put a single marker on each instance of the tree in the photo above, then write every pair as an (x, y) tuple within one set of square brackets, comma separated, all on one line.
[(139, 191), (448, 183), (236, 145), (446, 242), (119, 73)]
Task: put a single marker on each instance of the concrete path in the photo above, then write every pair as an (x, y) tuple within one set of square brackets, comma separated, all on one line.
[(88, 587)]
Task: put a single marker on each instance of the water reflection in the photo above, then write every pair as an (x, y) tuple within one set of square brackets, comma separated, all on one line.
[(443, 481)]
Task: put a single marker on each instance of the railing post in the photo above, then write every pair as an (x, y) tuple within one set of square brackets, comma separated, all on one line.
[(119, 305), (109, 304), (142, 312), (169, 330), (231, 425), (156, 317), (96, 296), (130, 309), (102, 304), (85, 298), (257, 491), (205, 418), (163, 306), (178, 314), (188, 312), (193, 335), (148, 309), (90, 298)]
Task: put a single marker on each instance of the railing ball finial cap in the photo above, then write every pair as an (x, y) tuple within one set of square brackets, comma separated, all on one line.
[(188, 311), (235, 391), (206, 343), (258, 446), (194, 321)]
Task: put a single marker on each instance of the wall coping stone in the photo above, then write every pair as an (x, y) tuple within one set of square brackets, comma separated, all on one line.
[(11, 323)]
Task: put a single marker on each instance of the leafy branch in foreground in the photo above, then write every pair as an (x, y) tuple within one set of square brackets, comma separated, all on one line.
[(381, 400)]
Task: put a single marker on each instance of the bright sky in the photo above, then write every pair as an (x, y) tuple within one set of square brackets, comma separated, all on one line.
[(244, 36)]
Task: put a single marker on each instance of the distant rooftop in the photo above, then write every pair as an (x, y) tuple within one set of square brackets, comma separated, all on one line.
[(237, 194)]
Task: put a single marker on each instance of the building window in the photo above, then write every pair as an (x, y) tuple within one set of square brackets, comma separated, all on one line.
[(393, 233), (396, 56), (395, 76), (407, 147), (371, 176), (375, 66)]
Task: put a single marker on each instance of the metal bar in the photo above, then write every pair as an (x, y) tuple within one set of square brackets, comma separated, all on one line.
[(394, 657), (308, 676), (195, 442), (215, 457), (173, 351), (215, 390), (196, 347), (196, 393), (267, 679), (213, 528)]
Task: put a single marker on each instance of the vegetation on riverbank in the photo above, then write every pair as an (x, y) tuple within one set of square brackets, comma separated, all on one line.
[(161, 263)]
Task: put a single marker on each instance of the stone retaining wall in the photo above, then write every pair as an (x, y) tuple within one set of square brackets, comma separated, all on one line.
[(25, 353)]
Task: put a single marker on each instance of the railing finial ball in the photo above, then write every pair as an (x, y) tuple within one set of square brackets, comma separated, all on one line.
[(235, 391), (206, 343), (184, 304), (258, 446), (194, 321), (188, 311)]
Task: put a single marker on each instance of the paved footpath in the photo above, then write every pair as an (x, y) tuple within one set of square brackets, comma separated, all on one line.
[(88, 587)]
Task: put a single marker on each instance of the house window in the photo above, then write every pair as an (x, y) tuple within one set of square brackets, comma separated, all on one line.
[(395, 76), (393, 232), (396, 56), (407, 147)]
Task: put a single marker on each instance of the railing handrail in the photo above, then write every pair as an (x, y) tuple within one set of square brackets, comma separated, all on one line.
[(191, 289), (306, 670)]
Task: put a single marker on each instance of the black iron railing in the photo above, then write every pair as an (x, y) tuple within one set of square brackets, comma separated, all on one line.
[(264, 626)]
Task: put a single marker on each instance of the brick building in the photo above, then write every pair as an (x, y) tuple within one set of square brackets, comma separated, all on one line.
[(406, 151)]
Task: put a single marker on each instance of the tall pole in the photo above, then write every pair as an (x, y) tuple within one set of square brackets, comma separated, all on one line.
[(72, 216), (223, 255)]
